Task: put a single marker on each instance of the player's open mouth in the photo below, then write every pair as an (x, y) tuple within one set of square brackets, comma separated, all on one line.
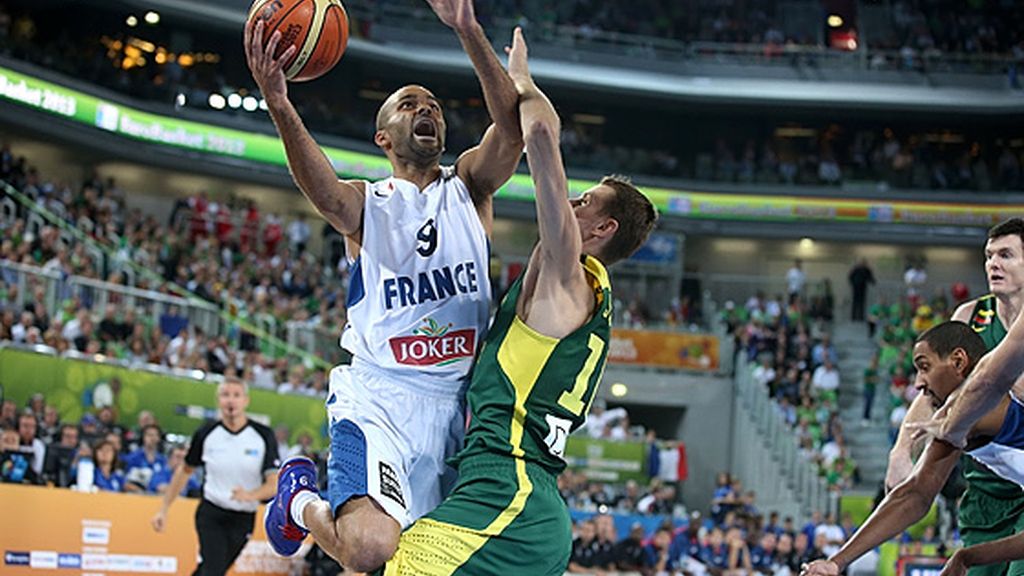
[(424, 129), (995, 278)]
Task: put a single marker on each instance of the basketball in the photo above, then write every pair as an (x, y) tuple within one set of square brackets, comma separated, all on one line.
[(317, 28)]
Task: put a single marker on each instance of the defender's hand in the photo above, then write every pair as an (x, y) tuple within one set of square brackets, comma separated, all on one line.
[(457, 14)]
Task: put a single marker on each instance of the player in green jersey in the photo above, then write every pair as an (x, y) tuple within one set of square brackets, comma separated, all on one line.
[(537, 373), (991, 508)]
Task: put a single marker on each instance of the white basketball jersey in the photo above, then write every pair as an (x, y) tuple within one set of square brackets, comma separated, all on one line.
[(419, 297), (1004, 455)]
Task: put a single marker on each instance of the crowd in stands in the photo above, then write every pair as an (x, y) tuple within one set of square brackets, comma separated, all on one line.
[(243, 261), (733, 537), (833, 155), (944, 26), (794, 359)]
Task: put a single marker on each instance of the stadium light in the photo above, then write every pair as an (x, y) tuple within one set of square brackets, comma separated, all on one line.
[(217, 101), (835, 20), (131, 21), (152, 17), (234, 100), (619, 389), (180, 100), (250, 104), (263, 104)]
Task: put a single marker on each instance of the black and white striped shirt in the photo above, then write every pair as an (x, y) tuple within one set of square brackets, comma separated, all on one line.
[(232, 460)]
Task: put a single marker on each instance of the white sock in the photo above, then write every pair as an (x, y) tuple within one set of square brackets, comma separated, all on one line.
[(299, 503)]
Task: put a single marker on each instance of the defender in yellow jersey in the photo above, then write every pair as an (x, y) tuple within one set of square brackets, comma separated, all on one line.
[(536, 375)]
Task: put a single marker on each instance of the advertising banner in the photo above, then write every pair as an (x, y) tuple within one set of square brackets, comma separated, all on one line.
[(128, 122), (180, 405), (607, 461), (110, 533), (664, 349)]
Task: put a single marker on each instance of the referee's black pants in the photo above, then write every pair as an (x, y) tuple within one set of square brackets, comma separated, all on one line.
[(222, 535)]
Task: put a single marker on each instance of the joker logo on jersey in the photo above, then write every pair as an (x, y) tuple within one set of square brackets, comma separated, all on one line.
[(434, 345)]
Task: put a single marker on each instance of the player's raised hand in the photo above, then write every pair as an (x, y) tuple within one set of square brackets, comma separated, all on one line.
[(820, 568), (267, 71), (518, 64), (457, 14)]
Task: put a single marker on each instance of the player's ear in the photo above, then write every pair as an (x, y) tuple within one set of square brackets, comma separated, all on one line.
[(608, 228), (382, 140), (960, 360)]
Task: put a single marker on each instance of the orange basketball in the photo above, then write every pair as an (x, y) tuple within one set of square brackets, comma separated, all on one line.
[(317, 28)]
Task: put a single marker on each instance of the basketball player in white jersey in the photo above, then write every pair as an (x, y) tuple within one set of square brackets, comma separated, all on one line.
[(418, 303), (944, 356)]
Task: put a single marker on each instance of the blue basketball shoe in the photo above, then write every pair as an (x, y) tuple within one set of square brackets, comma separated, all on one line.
[(285, 536)]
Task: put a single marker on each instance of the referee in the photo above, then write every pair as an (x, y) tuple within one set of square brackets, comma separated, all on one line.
[(239, 457)]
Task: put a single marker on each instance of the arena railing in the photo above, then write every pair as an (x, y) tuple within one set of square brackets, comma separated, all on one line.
[(766, 454), (397, 16), (229, 324)]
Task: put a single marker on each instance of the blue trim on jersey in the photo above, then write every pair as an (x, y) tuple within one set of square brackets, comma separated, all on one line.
[(1012, 432), (355, 284), (346, 471)]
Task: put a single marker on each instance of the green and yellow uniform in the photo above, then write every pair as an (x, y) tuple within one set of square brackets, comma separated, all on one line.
[(528, 393), (991, 508)]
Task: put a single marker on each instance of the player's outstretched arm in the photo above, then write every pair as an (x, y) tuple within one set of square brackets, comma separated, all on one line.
[(901, 457), (489, 165), (1006, 549), (906, 504), (560, 242), (340, 202), (995, 375)]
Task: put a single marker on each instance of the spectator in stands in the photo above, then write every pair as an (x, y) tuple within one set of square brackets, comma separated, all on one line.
[(824, 349), (831, 534), (141, 464), (90, 429), (49, 425), (606, 539), (29, 444), (795, 280), (107, 476), (600, 418), (762, 556), (160, 480), (657, 556), (133, 437), (628, 554), (298, 234), (785, 555), (60, 456), (586, 556), (826, 380), (739, 553), (15, 465), (715, 554)]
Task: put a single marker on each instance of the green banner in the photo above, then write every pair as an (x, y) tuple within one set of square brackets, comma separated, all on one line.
[(179, 404), (607, 461), (253, 147)]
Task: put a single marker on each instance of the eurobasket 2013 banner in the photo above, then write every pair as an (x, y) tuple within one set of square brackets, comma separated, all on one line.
[(179, 404), (218, 141), (107, 533), (664, 349)]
